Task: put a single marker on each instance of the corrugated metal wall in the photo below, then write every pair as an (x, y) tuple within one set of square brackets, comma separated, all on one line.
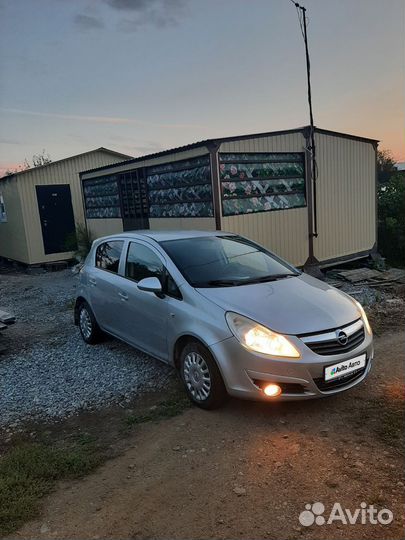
[(63, 172), (186, 224), (285, 232), (290, 142), (13, 243), (346, 196), (104, 227)]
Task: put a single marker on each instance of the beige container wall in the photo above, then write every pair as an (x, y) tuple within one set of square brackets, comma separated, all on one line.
[(346, 197), (104, 227), (63, 172), (13, 242), (285, 232), (186, 224)]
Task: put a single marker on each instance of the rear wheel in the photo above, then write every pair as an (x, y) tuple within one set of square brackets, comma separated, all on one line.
[(201, 376), (88, 326)]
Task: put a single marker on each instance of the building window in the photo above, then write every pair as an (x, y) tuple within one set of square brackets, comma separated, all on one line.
[(3, 215), (261, 182), (180, 189), (108, 255), (101, 197)]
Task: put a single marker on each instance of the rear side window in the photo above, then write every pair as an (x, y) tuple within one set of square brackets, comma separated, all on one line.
[(108, 255), (142, 262)]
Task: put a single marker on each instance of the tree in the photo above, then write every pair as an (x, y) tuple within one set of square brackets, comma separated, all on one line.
[(43, 158), (23, 167), (385, 166), (391, 219)]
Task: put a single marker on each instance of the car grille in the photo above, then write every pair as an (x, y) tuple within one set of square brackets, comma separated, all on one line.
[(328, 343), (341, 382)]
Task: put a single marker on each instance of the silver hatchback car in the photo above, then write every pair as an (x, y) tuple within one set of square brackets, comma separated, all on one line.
[(231, 317)]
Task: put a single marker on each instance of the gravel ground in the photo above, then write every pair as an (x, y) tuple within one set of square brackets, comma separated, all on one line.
[(46, 371)]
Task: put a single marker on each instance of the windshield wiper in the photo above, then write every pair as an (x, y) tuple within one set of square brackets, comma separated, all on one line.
[(273, 277), (235, 283), (224, 282)]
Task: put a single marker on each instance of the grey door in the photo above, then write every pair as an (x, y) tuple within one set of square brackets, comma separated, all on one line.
[(142, 317), (134, 200), (57, 220)]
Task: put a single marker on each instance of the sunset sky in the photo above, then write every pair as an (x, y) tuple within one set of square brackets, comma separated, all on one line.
[(139, 76)]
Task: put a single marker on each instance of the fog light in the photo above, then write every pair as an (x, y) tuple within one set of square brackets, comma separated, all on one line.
[(272, 390)]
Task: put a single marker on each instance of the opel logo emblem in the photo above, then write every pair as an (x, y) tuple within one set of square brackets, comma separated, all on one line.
[(342, 337)]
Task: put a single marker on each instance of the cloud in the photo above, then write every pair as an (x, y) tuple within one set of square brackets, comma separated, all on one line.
[(130, 5), (131, 145), (100, 119), (157, 13), (88, 22), (4, 140)]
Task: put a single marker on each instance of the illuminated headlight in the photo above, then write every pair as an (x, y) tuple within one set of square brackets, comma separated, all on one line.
[(258, 338), (364, 317)]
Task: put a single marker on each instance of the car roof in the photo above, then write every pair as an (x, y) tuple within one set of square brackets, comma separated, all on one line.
[(161, 236)]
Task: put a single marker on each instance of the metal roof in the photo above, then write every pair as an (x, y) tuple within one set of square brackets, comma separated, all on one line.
[(220, 140), (101, 149)]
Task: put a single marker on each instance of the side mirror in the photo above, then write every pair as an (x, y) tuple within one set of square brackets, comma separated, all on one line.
[(150, 284)]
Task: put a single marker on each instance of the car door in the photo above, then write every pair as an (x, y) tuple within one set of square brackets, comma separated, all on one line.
[(142, 316), (104, 284)]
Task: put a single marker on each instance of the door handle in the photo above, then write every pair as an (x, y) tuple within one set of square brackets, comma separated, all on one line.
[(123, 295), (92, 281)]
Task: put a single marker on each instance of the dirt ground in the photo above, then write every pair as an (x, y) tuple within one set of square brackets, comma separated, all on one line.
[(249, 469)]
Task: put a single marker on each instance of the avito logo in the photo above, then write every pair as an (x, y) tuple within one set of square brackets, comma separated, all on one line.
[(314, 513)]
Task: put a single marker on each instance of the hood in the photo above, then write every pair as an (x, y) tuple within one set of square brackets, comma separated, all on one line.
[(296, 305)]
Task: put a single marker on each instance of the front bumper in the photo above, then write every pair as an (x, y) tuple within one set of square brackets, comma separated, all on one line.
[(244, 371)]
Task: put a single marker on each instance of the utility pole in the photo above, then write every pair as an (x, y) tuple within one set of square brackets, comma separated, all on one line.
[(302, 17)]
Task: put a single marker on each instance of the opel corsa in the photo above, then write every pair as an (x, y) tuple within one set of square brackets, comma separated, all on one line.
[(230, 316)]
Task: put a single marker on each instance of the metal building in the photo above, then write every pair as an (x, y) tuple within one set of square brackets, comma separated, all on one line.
[(40, 207), (260, 186)]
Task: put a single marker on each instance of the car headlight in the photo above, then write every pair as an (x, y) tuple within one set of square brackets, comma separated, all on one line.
[(364, 317), (258, 338)]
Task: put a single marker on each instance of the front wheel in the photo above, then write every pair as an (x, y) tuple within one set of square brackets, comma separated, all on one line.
[(201, 376), (88, 326)]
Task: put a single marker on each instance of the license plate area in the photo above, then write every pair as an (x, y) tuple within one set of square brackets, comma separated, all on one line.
[(343, 369)]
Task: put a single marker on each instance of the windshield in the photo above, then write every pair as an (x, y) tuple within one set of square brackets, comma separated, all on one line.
[(225, 261)]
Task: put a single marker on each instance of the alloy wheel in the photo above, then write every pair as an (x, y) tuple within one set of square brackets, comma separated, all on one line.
[(85, 323)]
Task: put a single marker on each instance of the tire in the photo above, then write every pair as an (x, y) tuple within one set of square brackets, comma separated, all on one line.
[(89, 329), (201, 377)]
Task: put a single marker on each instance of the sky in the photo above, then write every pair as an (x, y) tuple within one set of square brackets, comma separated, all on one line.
[(139, 76)]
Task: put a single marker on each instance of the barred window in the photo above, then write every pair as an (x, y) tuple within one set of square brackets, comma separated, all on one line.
[(101, 197), (260, 182), (180, 189)]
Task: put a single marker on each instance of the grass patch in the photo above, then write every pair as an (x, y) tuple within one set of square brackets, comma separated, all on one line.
[(29, 471), (164, 409)]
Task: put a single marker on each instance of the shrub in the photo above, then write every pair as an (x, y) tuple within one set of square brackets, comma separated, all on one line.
[(391, 219)]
